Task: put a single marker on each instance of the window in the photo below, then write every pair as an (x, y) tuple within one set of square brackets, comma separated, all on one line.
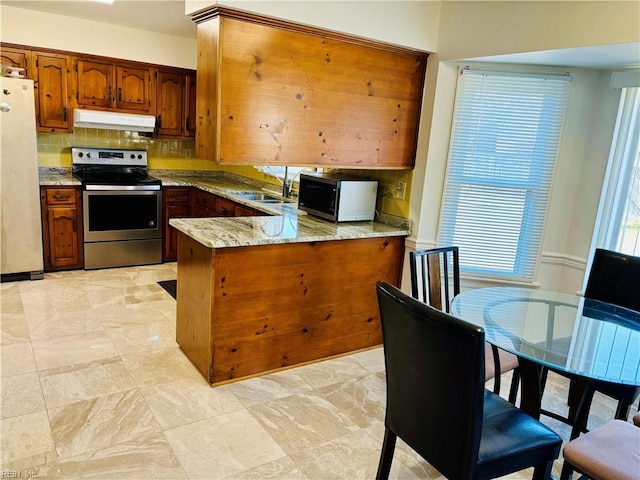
[(504, 142), (620, 204)]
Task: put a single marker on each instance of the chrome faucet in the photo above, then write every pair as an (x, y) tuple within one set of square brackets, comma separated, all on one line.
[(286, 186)]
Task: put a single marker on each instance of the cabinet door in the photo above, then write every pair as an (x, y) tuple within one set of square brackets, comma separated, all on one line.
[(52, 92), (95, 84), (133, 86), (224, 207), (62, 229), (189, 129), (180, 210), (169, 99), (242, 211), (15, 57)]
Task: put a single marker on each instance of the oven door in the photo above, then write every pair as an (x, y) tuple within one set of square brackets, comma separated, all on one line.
[(121, 214)]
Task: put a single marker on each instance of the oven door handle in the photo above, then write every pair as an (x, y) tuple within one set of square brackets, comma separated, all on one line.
[(111, 188)]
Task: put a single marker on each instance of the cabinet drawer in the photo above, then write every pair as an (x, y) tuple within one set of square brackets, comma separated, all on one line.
[(205, 200), (224, 207), (60, 196), (177, 195)]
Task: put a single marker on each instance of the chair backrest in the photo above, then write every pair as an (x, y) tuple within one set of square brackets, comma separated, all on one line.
[(614, 278), (435, 276), (424, 350)]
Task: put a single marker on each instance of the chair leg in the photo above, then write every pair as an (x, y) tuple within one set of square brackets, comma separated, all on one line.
[(515, 383), (567, 471), (542, 471), (497, 375), (386, 456)]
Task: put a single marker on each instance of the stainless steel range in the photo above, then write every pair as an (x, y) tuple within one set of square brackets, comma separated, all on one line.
[(122, 207)]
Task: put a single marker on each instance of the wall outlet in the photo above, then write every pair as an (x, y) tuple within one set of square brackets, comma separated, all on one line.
[(401, 190)]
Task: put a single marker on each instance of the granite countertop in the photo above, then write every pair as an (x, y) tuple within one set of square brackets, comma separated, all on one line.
[(282, 223)]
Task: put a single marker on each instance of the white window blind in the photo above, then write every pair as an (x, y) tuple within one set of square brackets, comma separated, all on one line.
[(504, 143)]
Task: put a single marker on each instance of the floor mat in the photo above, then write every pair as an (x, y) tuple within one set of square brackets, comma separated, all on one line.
[(169, 286)]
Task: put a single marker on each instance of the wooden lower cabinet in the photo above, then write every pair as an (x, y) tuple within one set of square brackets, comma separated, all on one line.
[(243, 311), (185, 202), (176, 203), (62, 228)]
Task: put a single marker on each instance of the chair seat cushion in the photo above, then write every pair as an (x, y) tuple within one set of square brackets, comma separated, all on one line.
[(598, 453), (511, 439)]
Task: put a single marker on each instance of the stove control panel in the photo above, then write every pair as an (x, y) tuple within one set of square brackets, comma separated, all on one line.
[(113, 156)]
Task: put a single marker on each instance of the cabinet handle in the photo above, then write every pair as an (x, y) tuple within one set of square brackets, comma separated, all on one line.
[(75, 224), (223, 209), (159, 121), (63, 196), (187, 126), (120, 94), (64, 114), (110, 92)]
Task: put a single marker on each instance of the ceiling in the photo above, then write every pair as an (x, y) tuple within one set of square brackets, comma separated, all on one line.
[(161, 16), (167, 17)]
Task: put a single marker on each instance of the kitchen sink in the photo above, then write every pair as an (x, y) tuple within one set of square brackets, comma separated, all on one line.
[(258, 197)]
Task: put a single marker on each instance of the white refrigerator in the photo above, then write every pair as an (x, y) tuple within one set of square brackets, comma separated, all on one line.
[(20, 223)]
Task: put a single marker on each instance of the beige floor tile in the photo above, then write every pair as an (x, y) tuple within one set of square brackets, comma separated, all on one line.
[(154, 273), (72, 350), (137, 313), (146, 336), (328, 372), (100, 423), (40, 466), (11, 299), (187, 401), (270, 387), (25, 436), (101, 296), (353, 456), (160, 366), (302, 421), (50, 297), (221, 446), (148, 457), (13, 328), (362, 400), (372, 359), (16, 359), (84, 381), (62, 324), (21, 394), (283, 468)]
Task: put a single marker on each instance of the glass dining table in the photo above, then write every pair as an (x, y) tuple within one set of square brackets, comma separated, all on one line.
[(583, 339)]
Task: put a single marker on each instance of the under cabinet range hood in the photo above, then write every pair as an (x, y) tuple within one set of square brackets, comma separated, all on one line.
[(113, 120)]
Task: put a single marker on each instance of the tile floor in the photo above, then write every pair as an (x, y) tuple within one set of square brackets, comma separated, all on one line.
[(94, 386)]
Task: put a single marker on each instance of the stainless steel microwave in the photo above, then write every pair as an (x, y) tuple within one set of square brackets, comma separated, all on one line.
[(338, 198)]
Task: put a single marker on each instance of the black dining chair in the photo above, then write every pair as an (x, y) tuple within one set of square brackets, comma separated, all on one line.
[(435, 279), (459, 427), (614, 278)]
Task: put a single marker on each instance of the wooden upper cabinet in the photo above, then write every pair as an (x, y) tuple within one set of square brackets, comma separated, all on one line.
[(276, 93), (95, 84), (53, 102), (169, 103), (106, 85), (133, 89), (16, 57)]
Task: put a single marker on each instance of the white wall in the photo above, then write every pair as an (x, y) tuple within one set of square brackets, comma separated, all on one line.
[(409, 23), (39, 29), (476, 29)]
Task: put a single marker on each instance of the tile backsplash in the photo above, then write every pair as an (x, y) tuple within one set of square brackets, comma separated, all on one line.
[(54, 150)]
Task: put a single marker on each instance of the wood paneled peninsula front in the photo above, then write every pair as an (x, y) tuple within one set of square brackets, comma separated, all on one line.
[(263, 293)]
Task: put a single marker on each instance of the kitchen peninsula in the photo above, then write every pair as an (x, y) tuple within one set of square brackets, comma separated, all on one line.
[(257, 294)]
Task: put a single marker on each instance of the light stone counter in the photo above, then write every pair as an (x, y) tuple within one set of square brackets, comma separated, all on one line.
[(289, 227), (282, 223)]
